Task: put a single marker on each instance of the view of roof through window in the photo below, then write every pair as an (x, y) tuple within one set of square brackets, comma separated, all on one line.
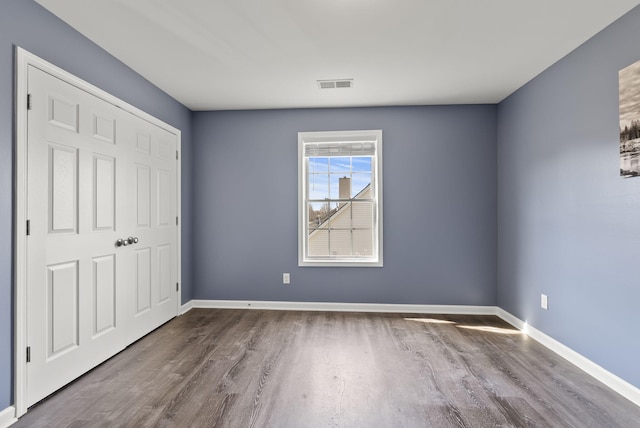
[(340, 208)]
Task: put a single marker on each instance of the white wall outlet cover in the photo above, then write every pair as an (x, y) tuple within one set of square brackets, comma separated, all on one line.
[(286, 278), (544, 301)]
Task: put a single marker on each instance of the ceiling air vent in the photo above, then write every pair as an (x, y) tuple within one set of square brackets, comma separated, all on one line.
[(337, 83)]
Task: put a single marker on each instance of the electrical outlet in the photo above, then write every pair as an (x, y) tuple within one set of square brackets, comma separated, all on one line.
[(544, 301), (286, 278)]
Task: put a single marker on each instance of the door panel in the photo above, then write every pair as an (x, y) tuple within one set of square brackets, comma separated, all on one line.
[(63, 189), (104, 294), (165, 148), (63, 112), (144, 143), (93, 177), (143, 195), (62, 308), (165, 211), (164, 274), (104, 192), (143, 280), (104, 128)]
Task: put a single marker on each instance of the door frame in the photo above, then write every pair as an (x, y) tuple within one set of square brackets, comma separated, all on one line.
[(24, 59)]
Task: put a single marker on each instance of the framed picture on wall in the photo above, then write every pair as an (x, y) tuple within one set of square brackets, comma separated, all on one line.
[(629, 87)]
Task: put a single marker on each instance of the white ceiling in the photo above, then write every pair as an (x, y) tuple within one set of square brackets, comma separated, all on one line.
[(255, 54)]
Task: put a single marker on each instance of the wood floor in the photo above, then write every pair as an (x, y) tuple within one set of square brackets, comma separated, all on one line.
[(254, 368)]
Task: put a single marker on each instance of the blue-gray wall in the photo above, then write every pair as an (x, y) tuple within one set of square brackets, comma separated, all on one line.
[(439, 184), (569, 226), (24, 23)]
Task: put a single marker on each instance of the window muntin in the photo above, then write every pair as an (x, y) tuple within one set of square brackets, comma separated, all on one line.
[(340, 198)]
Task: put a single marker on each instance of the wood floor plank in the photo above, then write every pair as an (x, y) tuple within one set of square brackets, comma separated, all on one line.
[(255, 368)]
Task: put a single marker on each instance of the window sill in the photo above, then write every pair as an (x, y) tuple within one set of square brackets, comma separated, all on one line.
[(340, 263)]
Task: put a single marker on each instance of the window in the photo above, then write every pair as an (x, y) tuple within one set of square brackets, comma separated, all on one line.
[(340, 198)]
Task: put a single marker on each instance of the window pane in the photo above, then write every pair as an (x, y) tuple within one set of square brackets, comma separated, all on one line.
[(340, 164), (319, 243), (359, 183), (362, 216), (340, 242), (318, 165), (363, 242), (318, 178), (361, 163), (335, 186), (318, 186), (341, 218), (318, 214)]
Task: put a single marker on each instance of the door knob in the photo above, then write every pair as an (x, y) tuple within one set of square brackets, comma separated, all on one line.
[(128, 241)]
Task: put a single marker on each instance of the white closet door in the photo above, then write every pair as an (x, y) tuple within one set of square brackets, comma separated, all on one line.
[(93, 178), (151, 175)]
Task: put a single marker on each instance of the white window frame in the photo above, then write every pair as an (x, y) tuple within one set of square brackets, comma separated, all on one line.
[(374, 136)]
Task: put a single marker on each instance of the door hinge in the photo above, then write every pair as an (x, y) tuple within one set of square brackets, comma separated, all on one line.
[(176, 155), (28, 354), (177, 287), (28, 101), (176, 220), (28, 227)]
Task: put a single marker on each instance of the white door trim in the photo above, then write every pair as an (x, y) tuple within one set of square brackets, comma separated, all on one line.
[(24, 59)]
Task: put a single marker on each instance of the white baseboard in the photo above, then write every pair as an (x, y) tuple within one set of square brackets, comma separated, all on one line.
[(186, 307), (8, 417), (344, 307), (619, 385)]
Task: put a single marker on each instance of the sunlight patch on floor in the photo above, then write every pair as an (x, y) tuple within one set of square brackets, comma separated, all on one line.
[(430, 320), (490, 329)]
